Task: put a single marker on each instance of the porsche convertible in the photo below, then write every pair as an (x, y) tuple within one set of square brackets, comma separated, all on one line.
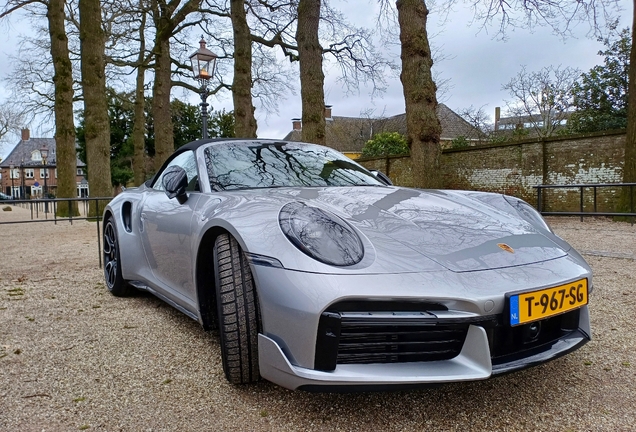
[(320, 275)]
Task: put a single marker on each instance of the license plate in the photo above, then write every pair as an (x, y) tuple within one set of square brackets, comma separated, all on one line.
[(536, 305)]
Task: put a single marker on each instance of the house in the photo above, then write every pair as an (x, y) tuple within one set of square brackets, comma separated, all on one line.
[(25, 174), (531, 125), (348, 135)]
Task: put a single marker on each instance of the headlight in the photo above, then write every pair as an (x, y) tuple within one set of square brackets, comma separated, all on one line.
[(320, 234), (528, 212)]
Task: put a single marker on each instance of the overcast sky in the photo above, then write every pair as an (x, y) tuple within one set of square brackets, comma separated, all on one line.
[(476, 66)]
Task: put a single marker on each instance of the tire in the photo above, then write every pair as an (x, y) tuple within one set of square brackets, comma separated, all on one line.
[(112, 263), (237, 311)]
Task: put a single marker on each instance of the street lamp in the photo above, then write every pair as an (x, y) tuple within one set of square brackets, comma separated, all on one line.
[(203, 62), (11, 174), (22, 191), (45, 154)]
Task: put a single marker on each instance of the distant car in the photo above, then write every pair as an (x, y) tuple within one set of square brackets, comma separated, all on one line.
[(321, 275), (5, 197)]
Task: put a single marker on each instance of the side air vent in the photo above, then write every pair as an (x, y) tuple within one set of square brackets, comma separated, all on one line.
[(126, 217)]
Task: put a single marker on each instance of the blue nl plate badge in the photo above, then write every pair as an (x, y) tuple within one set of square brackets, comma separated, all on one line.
[(514, 310)]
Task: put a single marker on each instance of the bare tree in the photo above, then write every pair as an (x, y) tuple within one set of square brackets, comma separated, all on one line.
[(542, 99), (66, 159), (423, 128), (169, 18), (63, 81), (97, 123), (312, 77), (321, 34), (244, 120), (139, 123), (11, 120), (478, 119)]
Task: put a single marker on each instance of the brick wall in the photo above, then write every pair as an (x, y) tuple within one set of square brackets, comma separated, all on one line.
[(514, 168)]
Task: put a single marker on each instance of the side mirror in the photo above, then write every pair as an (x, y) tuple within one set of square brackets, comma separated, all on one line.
[(175, 183), (382, 177)]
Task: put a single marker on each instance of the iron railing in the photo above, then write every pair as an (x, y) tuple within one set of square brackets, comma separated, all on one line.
[(582, 211), (49, 209)]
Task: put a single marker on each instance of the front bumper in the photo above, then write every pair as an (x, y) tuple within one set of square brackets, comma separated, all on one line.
[(292, 304), (474, 362)]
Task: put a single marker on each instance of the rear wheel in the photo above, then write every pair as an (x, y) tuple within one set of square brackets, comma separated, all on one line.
[(237, 311), (112, 263)]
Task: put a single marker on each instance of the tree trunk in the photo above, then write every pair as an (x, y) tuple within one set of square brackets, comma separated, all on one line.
[(311, 76), (161, 112), (92, 47), (66, 157), (139, 123), (422, 125), (244, 120), (629, 170)]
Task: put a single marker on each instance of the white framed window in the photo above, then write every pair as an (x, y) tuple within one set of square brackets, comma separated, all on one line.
[(55, 172), (42, 172), (15, 191), (36, 156), (80, 171), (82, 190), (36, 190), (15, 173), (29, 173)]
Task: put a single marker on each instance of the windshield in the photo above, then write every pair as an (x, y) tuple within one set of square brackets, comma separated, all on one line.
[(277, 164)]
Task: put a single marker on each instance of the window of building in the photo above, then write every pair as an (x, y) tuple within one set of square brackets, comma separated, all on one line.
[(15, 173), (42, 173), (35, 190), (29, 173), (80, 171), (82, 189), (36, 156)]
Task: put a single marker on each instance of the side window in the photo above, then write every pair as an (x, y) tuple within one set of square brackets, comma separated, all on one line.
[(188, 162)]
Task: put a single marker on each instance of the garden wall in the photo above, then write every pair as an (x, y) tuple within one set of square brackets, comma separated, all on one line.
[(514, 168)]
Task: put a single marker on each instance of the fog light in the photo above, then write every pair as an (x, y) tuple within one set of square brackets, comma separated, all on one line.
[(532, 331)]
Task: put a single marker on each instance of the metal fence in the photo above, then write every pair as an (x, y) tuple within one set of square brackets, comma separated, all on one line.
[(48, 209), (583, 211)]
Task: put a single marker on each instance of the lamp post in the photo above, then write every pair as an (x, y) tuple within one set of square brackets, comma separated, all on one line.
[(45, 154), (22, 194), (11, 174), (203, 62)]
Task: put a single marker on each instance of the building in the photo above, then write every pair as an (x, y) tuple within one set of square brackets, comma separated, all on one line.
[(544, 124), (25, 174), (348, 135)]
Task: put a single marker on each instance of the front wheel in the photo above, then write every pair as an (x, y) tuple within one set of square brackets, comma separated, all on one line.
[(112, 263), (237, 311)]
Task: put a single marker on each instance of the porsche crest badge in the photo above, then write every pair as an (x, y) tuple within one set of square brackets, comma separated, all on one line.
[(506, 247)]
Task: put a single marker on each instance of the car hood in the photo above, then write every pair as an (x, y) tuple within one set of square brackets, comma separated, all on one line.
[(454, 230)]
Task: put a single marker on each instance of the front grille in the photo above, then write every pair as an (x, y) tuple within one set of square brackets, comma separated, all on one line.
[(372, 333), (423, 333), (398, 343)]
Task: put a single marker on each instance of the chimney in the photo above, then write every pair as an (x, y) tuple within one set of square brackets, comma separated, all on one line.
[(328, 112), (26, 134), (297, 124), (497, 117)]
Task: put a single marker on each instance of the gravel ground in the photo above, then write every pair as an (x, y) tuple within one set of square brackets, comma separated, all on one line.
[(73, 357)]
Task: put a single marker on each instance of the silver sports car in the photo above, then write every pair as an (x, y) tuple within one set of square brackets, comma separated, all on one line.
[(321, 275)]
